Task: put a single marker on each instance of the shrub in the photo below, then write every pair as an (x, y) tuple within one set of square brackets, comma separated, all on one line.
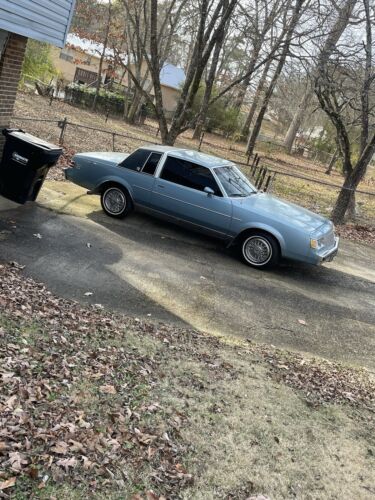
[(220, 116), (38, 64)]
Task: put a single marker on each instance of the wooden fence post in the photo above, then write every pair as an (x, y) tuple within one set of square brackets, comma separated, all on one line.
[(113, 141), (267, 183), (200, 141), (262, 177), (258, 176), (63, 125), (271, 182)]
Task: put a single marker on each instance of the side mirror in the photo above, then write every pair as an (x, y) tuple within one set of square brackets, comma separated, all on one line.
[(209, 191)]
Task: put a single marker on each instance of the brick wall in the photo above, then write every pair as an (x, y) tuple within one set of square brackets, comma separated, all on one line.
[(10, 71)]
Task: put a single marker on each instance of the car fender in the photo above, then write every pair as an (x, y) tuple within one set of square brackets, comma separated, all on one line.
[(263, 227), (116, 180)]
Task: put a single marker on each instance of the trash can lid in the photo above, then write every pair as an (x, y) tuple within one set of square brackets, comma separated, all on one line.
[(32, 139)]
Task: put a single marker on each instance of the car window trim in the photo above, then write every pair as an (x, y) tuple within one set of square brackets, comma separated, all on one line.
[(241, 174), (223, 193), (148, 157), (138, 149)]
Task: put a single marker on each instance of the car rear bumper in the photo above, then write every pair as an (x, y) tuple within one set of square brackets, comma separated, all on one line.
[(68, 173)]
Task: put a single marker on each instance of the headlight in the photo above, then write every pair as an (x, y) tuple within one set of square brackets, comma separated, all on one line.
[(314, 243)]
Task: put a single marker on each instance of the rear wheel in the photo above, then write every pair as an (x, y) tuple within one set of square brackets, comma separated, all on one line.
[(116, 201), (260, 250)]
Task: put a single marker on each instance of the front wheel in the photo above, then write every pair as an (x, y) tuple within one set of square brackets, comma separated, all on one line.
[(116, 202), (260, 250)]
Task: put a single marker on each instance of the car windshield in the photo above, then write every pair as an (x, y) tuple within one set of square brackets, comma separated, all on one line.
[(234, 182)]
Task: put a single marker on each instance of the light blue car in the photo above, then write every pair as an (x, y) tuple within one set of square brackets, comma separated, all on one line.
[(207, 194)]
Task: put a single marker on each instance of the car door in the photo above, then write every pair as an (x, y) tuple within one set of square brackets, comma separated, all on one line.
[(179, 193), (138, 170)]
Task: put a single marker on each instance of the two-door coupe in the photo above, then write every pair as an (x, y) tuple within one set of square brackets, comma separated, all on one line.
[(207, 194)]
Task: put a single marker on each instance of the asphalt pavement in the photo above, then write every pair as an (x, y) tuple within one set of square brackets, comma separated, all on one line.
[(147, 268)]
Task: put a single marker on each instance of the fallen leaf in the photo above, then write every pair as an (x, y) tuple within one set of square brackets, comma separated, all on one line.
[(33, 472), (302, 322), (8, 483), (107, 389), (17, 460), (60, 448), (67, 462)]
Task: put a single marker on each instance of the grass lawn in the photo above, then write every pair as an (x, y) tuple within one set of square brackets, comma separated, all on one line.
[(98, 405)]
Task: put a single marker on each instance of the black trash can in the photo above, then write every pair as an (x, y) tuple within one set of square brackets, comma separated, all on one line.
[(25, 164)]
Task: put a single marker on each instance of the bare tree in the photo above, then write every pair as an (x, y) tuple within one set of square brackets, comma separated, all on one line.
[(210, 80), (344, 86), (343, 14), (258, 93), (103, 54), (163, 26), (288, 33)]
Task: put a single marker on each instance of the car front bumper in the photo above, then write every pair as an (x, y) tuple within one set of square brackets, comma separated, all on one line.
[(330, 254)]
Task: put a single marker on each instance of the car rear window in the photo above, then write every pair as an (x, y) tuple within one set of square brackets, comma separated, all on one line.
[(189, 174), (136, 160)]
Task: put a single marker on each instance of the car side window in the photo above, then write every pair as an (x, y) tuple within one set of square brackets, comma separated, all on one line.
[(189, 174), (151, 163), (136, 160)]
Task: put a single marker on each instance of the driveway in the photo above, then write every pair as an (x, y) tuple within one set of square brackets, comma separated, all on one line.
[(143, 267)]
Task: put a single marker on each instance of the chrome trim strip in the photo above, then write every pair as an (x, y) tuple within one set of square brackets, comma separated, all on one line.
[(181, 220), (192, 204)]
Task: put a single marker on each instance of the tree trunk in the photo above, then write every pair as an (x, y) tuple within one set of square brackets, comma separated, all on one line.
[(332, 162), (351, 182), (342, 202), (133, 107), (209, 86), (297, 120), (241, 93), (102, 56), (246, 126), (201, 54), (254, 135)]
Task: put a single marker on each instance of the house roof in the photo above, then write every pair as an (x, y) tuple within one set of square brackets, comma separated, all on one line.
[(87, 46), (170, 75)]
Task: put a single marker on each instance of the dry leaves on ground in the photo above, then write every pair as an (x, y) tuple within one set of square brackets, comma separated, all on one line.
[(358, 233), (78, 406), (74, 404), (56, 173)]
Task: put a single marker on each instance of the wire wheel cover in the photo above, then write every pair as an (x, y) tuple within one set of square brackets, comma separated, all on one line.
[(257, 250), (114, 201)]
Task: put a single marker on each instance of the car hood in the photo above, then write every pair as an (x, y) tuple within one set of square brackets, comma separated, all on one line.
[(283, 211), (114, 158)]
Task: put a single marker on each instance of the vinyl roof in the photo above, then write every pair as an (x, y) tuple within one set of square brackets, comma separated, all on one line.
[(189, 155)]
